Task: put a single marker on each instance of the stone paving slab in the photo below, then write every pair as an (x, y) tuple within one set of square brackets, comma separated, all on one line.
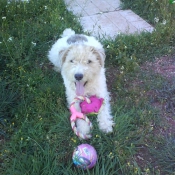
[(104, 18)]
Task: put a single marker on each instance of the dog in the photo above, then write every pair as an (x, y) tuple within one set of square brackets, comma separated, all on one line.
[(80, 59)]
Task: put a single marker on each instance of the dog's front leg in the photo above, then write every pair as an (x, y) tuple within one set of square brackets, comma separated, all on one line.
[(105, 120)]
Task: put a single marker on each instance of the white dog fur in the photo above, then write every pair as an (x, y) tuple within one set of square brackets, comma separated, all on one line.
[(80, 59)]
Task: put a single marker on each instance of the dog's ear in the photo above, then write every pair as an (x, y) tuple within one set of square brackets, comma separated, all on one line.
[(63, 54), (100, 54)]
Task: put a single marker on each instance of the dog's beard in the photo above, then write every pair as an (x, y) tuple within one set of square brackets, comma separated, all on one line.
[(80, 88)]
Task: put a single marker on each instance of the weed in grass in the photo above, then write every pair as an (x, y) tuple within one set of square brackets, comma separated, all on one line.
[(166, 96), (28, 40), (129, 51), (8, 99), (151, 10), (165, 155), (41, 101)]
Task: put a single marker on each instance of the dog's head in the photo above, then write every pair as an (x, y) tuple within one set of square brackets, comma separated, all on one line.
[(81, 65)]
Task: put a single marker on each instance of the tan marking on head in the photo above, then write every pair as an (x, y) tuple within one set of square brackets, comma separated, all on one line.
[(100, 55), (63, 54)]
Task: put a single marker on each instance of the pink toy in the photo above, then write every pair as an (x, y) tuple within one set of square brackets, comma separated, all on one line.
[(92, 107), (88, 106), (85, 156), (74, 116)]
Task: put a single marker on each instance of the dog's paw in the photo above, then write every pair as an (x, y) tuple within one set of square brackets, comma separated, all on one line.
[(106, 126)]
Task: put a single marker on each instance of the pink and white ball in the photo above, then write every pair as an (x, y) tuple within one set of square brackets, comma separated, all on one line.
[(85, 156)]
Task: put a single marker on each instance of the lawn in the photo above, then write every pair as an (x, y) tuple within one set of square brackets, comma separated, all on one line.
[(36, 136)]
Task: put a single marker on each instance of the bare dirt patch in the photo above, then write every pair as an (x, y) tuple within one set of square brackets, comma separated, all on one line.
[(163, 99), (164, 66)]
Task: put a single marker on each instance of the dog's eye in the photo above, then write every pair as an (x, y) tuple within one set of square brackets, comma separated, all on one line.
[(89, 61), (71, 61)]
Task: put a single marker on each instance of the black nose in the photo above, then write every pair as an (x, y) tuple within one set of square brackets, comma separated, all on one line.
[(78, 76)]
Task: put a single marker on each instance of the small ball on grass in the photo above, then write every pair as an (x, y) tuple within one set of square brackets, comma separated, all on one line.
[(84, 156)]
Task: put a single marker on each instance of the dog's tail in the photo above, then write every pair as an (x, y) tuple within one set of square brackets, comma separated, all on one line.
[(68, 32)]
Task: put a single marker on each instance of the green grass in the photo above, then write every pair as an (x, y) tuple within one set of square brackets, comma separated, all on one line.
[(151, 10), (36, 135), (165, 154)]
